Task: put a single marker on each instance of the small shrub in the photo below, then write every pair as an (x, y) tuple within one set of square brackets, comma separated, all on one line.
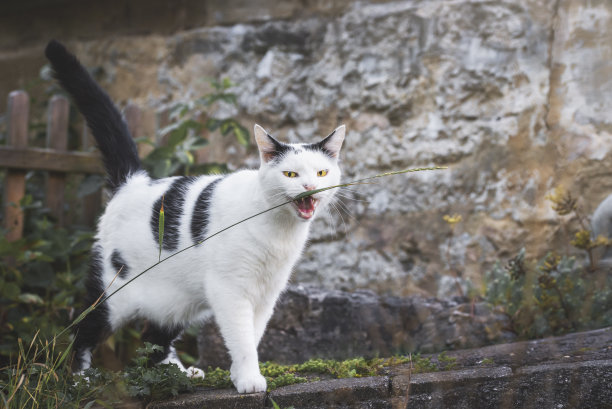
[(145, 381)]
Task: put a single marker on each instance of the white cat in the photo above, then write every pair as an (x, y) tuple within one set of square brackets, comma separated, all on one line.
[(236, 276)]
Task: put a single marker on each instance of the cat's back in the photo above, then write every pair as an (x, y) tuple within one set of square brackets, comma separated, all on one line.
[(193, 206)]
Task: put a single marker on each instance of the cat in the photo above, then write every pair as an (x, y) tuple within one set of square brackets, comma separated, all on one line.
[(236, 277)]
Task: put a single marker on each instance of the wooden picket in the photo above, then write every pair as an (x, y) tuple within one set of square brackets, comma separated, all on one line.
[(18, 158)]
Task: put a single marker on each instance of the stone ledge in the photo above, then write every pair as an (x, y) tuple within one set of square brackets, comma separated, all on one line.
[(426, 382), (577, 375), (216, 398), (332, 393)]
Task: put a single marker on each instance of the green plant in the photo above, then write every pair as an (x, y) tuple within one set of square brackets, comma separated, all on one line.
[(146, 381), (552, 296), (41, 278), (183, 136), (40, 378), (556, 294), (447, 363)]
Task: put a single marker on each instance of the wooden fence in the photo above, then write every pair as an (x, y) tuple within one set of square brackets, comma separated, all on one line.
[(18, 158)]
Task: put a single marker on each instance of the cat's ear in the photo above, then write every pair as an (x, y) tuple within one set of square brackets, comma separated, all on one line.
[(269, 148), (333, 142)]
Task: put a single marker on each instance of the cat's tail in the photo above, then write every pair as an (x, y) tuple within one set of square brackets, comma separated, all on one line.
[(106, 123)]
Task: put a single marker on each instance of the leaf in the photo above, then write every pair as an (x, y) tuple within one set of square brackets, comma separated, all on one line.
[(227, 83), (162, 168), (29, 298), (144, 139), (163, 152), (212, 124), (90, 184), (177, 136), (89, 404), (185, 157), (226, 126), (169, 128), (242, 134), (161, 227)]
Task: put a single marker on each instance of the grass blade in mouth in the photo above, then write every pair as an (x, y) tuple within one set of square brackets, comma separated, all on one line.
[(365, 180)]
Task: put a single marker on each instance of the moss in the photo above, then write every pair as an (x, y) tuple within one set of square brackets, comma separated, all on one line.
[(278, 375), (447, 363)]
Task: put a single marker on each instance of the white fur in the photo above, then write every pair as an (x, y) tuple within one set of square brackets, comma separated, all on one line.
[(236, 276)]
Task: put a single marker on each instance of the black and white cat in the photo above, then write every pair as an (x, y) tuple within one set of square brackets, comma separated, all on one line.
[(235, 277)]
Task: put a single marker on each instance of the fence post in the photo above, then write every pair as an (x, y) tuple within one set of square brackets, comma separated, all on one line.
[(14, 186), (57, 138)]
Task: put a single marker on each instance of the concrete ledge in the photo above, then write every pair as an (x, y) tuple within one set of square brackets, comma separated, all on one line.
[(333, 393), (219, 398), (579, 375)]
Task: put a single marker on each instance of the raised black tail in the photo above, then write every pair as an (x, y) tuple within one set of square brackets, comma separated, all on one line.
[(112, 136)]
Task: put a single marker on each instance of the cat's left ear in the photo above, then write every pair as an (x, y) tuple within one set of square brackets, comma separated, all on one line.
[(333, 142)]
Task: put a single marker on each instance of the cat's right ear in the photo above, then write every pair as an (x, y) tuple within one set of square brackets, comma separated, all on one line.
[(269, 148)]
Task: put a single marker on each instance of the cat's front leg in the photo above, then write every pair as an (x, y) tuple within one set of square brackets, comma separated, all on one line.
[(262, 315), (234, 316)]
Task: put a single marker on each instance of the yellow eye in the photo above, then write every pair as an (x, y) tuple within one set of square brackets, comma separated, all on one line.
[(322, 173), (289, 174)]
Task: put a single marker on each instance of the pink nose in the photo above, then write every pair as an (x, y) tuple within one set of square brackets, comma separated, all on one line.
[(309, 187)]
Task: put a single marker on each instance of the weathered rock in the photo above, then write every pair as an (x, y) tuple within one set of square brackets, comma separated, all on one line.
[(218, 399), (316, 323), (513, 96), (359, 393)]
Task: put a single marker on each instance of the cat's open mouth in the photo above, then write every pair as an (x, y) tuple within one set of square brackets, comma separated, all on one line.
[(306, 206)]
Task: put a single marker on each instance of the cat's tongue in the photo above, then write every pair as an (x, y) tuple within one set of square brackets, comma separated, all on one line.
[(306, 207)]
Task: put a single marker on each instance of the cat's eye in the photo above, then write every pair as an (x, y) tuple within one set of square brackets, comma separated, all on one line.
[(289, 173), (322, 173)]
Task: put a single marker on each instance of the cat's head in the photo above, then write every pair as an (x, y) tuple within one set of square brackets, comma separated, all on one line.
[(290, 169)]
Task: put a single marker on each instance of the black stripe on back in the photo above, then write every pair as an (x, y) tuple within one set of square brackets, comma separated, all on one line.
[(201, 213), (174, 200), (119, 263)]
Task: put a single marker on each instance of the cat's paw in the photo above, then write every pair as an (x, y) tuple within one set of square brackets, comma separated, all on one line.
[(194, 372), (250, 384)]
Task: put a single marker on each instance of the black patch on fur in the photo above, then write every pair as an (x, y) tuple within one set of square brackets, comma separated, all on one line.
[(201, 212), (162, 336), (174, 200), (320, 146), (94, 328), (119, 264), (280, 150), (114, 141)]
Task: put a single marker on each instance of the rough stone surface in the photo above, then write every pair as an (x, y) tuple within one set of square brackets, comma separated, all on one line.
[(312, 322), (572, 371), (363, 393), (220, 398), (513, 96)]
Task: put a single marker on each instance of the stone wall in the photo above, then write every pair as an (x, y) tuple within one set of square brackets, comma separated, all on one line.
[(513, 96), (314, 323)]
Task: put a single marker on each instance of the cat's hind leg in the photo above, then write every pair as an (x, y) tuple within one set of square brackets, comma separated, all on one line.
[(96, 326), (164, 336)]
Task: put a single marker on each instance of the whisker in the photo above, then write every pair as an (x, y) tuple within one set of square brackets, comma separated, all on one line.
[(332, 204)]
